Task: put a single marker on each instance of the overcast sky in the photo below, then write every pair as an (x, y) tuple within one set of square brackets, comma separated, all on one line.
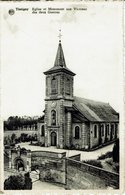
[(92, 45)]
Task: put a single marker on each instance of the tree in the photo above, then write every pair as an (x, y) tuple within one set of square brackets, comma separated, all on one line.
[(116, 151), (13, 137)]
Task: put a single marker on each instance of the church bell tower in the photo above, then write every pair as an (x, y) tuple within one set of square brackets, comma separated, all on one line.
[(59, 96)]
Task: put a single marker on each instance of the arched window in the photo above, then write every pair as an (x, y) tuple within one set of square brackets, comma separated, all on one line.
[(107, 129), (77, 132), (116, 130), (53, 86), (112, 129), (53, 117), (68, 86), (95, 131), (102, 130), (42, 130)]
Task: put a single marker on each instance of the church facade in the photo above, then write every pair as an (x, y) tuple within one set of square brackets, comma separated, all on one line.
[(70, 121)]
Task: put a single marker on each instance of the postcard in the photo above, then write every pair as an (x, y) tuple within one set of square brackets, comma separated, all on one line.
[(62, 116)]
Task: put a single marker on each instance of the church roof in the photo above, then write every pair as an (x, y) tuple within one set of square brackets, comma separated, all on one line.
[(95, 111), (60, 60), (60, 64)]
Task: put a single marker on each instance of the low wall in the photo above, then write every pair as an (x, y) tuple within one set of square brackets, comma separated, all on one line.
[(19, 132), (48, 154), (109, 178), (75, 157), (53, 171), (50, 164)]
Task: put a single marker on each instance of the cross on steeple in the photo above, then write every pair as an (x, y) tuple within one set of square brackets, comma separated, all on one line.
[(60, 35)]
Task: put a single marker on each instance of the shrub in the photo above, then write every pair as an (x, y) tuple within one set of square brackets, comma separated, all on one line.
[(106, 155), (116, 167), (109, 161), (113, 164), (14, 182), (48, 176), (28, 182), (18, 182), (95, 163)]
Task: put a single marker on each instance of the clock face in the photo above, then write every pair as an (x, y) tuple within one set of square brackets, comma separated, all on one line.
[(53, 104)]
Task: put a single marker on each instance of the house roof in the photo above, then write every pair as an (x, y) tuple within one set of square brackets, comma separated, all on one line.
[(95, 111), (60, 64)]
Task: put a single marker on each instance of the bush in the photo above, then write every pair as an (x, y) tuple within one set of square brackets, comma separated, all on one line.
[(48, 176), (106, 155), (116, 167), (109, 161), (95, 163), (28, 182), (18, 182), (113, 164), (14, 182)]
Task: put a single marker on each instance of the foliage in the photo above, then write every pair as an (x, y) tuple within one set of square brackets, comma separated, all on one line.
[(95, 163), (28, 182), (18, 182), (109, 161), (13, 137), (116, 151), (106, 155), (14, 182), (115, 165), (48, 176), (15, 122), (12, 140)]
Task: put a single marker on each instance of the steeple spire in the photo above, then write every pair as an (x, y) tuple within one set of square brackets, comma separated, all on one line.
[(59, 64), (60, 60)]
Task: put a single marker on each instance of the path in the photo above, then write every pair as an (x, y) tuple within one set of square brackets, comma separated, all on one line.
[(84, 154), (39, 185)]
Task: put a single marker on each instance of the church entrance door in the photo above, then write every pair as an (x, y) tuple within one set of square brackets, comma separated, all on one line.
[(53, 139)]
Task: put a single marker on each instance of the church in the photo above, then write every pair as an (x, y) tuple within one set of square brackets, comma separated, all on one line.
[(73, 122)]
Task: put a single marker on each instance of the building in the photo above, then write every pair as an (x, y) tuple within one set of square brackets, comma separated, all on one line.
[(70, 121)]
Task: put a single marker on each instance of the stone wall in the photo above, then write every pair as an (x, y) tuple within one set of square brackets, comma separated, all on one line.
[(83, 141), (18, 154), (90, 176), (41, 139), (51, 165), (19, 132), (75, 157), (95, 141), (53, 171)]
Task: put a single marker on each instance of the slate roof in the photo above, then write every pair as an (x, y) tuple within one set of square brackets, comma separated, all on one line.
[(95, 111), (60, 64)]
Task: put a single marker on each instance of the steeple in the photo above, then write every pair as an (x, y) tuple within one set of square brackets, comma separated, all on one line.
[(60, 60), (59, 64)]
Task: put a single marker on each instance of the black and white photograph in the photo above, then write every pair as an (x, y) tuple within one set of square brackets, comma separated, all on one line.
[(62, 95)]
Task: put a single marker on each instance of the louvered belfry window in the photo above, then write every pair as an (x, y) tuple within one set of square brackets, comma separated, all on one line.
[(68, 86), (53, 85)]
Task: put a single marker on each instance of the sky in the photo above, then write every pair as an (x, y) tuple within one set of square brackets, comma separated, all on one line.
[(92, 45)]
